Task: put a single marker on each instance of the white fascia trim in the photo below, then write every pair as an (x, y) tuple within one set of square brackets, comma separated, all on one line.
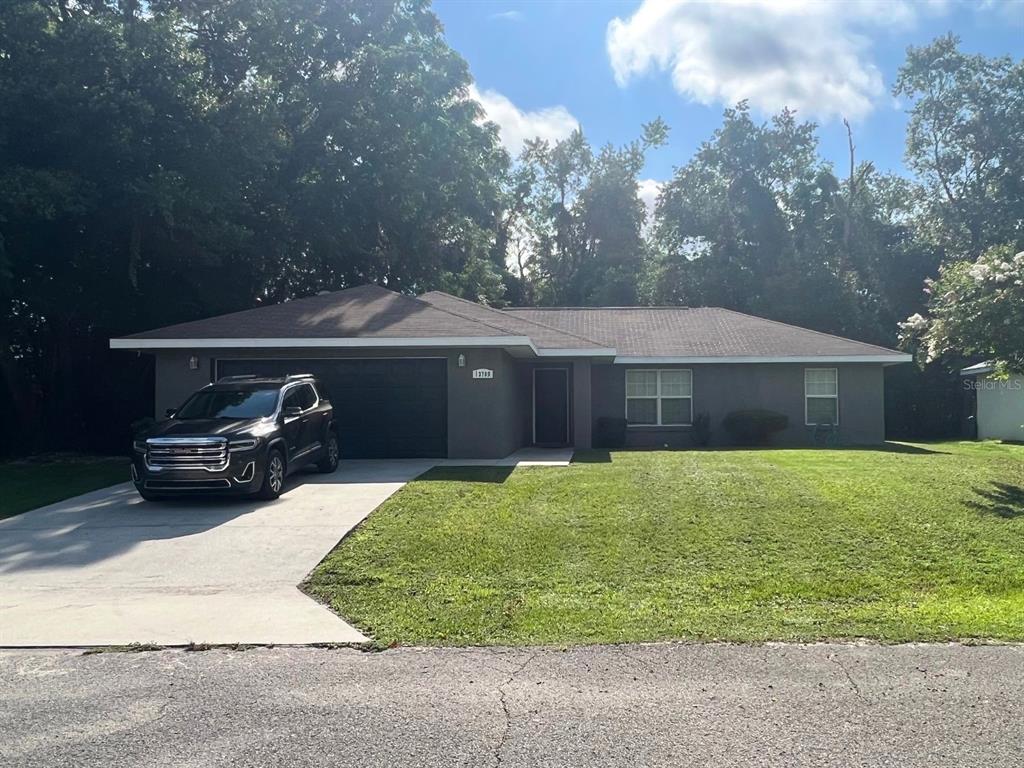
[(763, 359), (602, 352), (977, 369), (357, 343)]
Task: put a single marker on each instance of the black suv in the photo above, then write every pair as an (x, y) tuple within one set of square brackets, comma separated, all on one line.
[(241, 435)]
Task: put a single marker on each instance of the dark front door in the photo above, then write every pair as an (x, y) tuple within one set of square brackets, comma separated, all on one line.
[(551, 406)]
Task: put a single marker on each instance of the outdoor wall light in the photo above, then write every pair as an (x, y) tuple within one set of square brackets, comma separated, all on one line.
[(193, 362), (462, 361)]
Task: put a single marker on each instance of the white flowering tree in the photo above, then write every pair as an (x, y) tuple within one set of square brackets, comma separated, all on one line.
[(976, 309)]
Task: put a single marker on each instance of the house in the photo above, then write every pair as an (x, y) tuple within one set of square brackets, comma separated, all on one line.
[(998, 403), (435, 375)]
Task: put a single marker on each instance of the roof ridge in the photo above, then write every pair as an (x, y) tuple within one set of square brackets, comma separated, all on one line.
[(459, 314), (808, 330), (478, 305), (596, 309)]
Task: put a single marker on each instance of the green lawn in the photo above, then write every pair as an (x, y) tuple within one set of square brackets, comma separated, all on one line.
[(912, 543), (34, 483)]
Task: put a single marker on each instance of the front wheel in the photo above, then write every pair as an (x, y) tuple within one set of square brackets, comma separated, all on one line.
[(149, 495), (273, 476), (329, 462)]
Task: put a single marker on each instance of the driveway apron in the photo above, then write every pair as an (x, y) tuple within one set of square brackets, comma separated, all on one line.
[(107, 568)]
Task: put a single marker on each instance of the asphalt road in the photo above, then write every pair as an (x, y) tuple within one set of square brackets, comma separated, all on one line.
[(655, 705)]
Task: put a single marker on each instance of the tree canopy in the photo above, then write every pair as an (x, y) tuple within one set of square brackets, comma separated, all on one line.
[(165, 161)]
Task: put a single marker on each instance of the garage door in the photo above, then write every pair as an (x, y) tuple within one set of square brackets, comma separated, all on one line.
[(386, 408)]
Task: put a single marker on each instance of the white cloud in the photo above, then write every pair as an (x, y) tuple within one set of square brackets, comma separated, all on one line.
[(648, 190), (507, 16), (516, 125), (812, 56)]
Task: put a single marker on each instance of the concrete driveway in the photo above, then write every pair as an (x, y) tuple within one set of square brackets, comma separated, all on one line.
[(107, 568)]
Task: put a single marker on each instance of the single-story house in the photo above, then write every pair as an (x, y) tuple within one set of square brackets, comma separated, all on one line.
[(998, 403), (439, 376)]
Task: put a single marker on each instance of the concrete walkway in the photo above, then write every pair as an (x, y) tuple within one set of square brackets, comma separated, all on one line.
[(107, 568), (524, 457), (746, 706)]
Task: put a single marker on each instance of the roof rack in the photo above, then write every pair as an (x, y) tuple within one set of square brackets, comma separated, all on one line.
[(259, 377)]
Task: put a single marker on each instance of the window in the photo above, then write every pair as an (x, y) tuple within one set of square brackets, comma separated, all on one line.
[(821, 396), (659, 398), (302, 397), (308, 396)]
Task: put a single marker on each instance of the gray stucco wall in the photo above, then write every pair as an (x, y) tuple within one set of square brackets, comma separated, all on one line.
[(490, 418), (719, 389), (485, 416)]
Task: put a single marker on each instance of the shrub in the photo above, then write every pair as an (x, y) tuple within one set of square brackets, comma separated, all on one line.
[(701, 433), (610, 433), (754, 427)]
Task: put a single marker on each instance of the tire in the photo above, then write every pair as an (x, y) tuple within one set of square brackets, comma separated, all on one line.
[(329, 462), (273, 476), (149, 495)]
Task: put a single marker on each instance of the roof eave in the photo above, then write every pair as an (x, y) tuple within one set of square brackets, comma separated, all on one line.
[(890, 359), (599, 353), (515, 345), (978, 369)]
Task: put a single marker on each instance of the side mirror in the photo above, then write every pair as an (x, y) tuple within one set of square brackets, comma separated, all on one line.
[(291, 410), (170, 412)]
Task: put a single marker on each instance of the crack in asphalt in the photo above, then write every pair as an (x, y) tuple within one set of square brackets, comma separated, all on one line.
[(853, 683), (504, 706)]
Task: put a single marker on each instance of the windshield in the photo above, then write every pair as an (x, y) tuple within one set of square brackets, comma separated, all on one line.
[(229, 404)]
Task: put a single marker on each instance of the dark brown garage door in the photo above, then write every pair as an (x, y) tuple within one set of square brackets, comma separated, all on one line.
[(391, 408)]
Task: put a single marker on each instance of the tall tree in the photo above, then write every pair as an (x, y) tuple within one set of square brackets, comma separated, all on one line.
[(169, 160), (584, 223), (758, 223), (964, 142)]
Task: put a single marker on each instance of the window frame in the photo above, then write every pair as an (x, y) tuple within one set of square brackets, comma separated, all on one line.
[(658, 397), (296, 388), (807, 397)]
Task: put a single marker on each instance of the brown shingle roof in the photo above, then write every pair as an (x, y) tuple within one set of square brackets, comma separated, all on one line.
[(544, 336), (368, 311), (372, 312), (698, 332)]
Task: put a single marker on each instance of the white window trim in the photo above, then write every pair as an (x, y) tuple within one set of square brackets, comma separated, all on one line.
[(657, 398), (807, 418)]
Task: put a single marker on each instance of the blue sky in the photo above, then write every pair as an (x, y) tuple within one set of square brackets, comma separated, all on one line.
[(610, 66)]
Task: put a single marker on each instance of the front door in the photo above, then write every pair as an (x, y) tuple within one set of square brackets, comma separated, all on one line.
[(551, 406)]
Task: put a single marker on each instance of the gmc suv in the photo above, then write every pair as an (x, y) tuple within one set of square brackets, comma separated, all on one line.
[(240, 435)]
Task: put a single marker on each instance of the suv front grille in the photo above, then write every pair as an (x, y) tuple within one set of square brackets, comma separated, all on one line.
[(209, 453), (187, 485)]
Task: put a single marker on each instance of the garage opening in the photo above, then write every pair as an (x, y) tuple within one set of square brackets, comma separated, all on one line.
[(386, 408)]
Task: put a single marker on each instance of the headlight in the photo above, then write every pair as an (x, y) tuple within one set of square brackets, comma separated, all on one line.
[(140, 446), (243, 445)]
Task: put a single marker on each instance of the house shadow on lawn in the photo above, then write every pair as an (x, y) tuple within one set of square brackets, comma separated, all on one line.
[(1002, 500), (889, 447), (594, 456), (467, 474)]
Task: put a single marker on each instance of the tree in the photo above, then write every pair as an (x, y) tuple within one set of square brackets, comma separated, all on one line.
[(964, 142), (758, 223), (582, 230), (165, 161), (976, 310)]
